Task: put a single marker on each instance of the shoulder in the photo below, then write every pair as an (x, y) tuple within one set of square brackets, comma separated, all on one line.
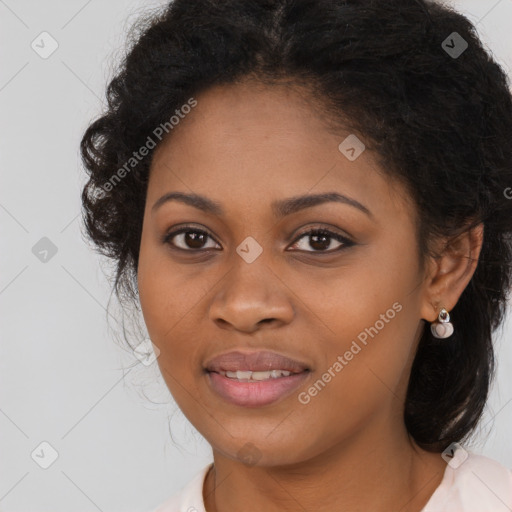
[(189, 498), (473, 483)]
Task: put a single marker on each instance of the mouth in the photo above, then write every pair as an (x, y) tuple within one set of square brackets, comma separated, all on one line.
[(255, 379), (250, 376), (254, 362)]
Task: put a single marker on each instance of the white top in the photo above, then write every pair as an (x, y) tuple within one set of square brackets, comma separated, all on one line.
[(479, 484)]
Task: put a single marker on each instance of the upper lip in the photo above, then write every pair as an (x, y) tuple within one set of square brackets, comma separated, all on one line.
[(254, 361)]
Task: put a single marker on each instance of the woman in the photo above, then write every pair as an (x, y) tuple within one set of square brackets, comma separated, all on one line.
[(308, 198)]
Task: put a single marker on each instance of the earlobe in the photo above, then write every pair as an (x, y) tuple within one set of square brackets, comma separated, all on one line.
[(451, 271)]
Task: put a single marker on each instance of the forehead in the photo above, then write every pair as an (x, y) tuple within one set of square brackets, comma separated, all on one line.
[(251, 141)]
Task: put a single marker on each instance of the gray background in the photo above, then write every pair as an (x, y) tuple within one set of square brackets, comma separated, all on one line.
[(63, 377)]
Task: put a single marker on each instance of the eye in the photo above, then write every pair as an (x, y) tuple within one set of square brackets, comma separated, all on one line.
[(189, 239), (320, 240)]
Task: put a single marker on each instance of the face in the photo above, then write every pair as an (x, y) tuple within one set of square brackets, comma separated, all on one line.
[(333, 284)]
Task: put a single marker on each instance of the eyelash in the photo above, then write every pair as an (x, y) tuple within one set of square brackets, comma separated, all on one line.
[(315, 231)]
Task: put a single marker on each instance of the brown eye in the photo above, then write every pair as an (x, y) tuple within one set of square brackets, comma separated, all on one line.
[(321, 240), (190, 239)]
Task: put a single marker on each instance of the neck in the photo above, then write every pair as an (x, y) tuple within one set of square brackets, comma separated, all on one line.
[(375, 471)]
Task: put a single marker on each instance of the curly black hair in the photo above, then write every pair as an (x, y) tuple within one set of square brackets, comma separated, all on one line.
[(411, 77)]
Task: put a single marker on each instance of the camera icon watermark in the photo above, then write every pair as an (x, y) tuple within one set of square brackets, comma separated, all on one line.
[(454, 455), (454, 45), (249, 454), (44, 250), (44, 455), (44, 45), (249, 249), (146, 352), (352, 147)]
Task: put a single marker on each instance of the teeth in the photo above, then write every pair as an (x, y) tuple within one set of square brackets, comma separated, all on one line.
[(261, 375), (255, 376)]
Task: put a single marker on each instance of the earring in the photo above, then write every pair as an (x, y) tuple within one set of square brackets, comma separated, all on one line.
[(443, 328)]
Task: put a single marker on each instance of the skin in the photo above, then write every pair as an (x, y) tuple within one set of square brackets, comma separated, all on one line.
[(244, 146)]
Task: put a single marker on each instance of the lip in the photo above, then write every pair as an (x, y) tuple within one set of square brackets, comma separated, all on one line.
[(260, 393), (254, 361), (255, 394)]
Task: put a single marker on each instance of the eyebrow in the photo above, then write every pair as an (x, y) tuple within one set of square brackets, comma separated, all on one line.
[(281, 208)]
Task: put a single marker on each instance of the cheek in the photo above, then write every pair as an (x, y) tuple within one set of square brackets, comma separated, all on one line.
[(366, 362), (172, 299), (165, 306), (366, 312), (158, 291), (167, 292), (346, 300)]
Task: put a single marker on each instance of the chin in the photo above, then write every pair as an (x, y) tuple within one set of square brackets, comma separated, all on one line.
[(256, 449)]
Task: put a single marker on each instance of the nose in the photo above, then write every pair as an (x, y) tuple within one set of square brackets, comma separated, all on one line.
[(251, 297)]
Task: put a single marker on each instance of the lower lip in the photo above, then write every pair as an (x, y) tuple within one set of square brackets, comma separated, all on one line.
[(255, 394)]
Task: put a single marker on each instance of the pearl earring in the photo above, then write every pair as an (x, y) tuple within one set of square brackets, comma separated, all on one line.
[(443, 328)]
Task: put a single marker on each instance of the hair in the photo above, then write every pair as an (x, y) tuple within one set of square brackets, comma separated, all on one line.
[(439, 123)]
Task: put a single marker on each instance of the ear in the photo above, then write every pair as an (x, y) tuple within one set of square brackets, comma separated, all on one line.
[(450, 271)]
